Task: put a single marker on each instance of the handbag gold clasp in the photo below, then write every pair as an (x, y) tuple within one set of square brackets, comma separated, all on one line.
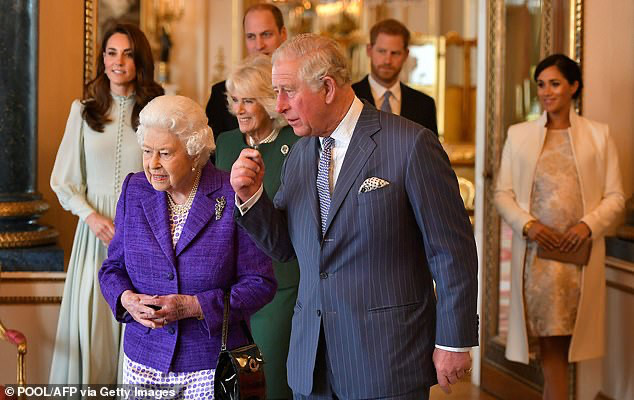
[(254, 366)]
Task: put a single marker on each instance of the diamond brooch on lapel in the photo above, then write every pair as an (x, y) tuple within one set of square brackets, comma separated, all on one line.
[(221, 202), (284, 149)]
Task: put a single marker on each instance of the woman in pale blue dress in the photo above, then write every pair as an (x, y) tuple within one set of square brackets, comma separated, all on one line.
[(98, 150)]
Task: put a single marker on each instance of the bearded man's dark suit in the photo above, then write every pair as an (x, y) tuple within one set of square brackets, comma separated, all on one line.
[(368, 280), (415, 106)]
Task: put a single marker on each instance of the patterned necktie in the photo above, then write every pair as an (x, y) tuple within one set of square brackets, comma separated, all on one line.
[(386, 102), (323, 180)]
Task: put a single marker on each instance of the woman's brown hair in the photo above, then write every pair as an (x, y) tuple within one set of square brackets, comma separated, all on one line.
[(97, 99)]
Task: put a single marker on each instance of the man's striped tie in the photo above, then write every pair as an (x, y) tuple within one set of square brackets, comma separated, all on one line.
[(323, 180)]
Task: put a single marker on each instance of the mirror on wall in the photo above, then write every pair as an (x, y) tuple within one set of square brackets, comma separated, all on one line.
[(520, 33)]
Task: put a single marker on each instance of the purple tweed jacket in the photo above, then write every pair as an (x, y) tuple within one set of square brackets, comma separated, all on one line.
[(211, 256)]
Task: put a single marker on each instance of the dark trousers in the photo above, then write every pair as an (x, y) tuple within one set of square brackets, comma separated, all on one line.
[(323, 386)]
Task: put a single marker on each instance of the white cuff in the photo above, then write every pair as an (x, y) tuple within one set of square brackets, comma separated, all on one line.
[(453, 349), (244, 207)]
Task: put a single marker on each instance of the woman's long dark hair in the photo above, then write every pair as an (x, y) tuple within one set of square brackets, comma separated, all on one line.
[(97, 99)]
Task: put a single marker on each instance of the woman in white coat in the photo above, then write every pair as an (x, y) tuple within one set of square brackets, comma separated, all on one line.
[(559, 183)]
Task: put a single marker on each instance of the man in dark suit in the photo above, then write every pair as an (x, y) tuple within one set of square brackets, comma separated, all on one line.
[(388, 51), (370, 206), (264, 31)]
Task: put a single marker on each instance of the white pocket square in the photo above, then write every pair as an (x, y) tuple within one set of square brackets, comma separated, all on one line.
[(373, 183)]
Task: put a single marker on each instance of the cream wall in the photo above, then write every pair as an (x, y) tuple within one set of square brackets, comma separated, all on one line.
[(189, 59), (61, 52), (608, 72), (608, 65), (207, 28)]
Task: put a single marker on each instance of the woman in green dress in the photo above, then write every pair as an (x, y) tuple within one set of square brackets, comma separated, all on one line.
[(251, 99)]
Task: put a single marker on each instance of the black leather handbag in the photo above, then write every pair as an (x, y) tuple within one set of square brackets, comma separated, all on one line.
[(239, 372)]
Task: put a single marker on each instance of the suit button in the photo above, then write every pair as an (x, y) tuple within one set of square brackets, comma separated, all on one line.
[(170, 276), (319, 313), (323, 275), (171, 330)]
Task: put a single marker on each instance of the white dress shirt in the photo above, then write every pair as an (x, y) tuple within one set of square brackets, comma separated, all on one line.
[(378, 92)]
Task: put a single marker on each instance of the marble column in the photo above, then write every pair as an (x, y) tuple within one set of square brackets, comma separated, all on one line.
[(20, 203)]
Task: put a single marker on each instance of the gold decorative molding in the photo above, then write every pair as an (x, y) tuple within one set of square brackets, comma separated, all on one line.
[(31, 276), (547, 44), (22, 208), (90, 39), (496, 19), (576, 40), (30, 300), (28, 239)]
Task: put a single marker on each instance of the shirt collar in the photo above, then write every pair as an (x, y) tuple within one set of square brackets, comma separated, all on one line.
[(378, 90), (343, 133)]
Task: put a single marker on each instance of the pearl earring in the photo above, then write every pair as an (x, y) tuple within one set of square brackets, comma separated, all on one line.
[(193, 168)]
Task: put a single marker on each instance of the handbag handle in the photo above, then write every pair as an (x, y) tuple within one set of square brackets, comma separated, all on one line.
[(225, 324)]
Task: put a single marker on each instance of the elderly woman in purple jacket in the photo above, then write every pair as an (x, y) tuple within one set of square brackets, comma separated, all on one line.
[(176, 251)]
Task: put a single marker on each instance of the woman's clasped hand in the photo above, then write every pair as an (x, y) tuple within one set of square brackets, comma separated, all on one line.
[(570, 241), (158, 311)]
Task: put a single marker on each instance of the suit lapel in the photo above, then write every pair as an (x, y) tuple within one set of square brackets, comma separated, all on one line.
[(365, 91), (359, 150), (203, 207), (312, 162), (406, 110), (157, 215)]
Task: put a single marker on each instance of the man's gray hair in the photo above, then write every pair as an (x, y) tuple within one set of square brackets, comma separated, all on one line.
[(319, 56), (180, 116), (252, 79)]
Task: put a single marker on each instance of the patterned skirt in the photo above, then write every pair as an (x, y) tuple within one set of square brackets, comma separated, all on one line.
[(182, 385)]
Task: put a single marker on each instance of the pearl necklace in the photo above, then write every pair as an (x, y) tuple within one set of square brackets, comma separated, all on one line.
[(178, 209), (179, 212), (270, 138)]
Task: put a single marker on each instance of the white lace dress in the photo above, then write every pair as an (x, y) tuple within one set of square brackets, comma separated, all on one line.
[(552, 288), (87, 177)]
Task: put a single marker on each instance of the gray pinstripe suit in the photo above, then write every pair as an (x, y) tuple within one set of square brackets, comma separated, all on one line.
[(369, 281)]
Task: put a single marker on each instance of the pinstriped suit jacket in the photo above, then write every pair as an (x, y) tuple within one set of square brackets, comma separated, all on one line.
[(369, 280)]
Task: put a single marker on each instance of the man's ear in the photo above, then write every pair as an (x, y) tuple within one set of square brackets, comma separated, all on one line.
[(330, 89), (368, 49), (283, 34)]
